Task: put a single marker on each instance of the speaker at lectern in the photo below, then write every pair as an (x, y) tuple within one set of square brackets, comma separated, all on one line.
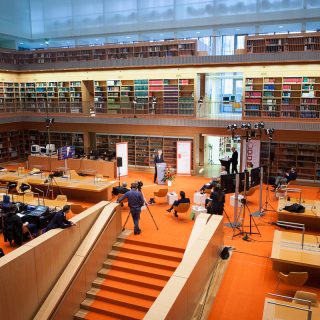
[(161, 168)]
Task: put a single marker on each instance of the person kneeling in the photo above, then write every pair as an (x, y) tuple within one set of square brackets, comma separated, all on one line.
[(216, 205), (182, 199)]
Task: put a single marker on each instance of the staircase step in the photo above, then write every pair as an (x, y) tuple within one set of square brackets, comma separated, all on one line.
[(121, 299), (143, 260), (147, 251), (149, 244), (90, 315), (126, 288), (134, 268), (109, 309), (132, 278)]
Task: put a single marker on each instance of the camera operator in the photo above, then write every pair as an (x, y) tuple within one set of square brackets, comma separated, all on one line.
[(217, 200), (135, 202)]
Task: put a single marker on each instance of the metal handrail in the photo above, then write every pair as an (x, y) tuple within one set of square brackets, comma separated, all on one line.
[(293, 225), (309, 310)]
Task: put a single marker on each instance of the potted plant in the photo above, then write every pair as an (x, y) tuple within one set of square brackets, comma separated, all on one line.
[(169, 176)]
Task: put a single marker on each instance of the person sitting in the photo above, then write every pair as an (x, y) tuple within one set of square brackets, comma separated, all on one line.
[(13, 226), (249, 166), (182, 199), (283, 178), (291, 175), (214, 181), (217, 197), (59, 220)]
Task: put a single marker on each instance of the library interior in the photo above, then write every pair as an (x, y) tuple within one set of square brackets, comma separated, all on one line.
[(160, 159)]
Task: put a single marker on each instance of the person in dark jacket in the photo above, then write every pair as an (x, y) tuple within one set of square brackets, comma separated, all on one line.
[(135, 202), (59, 220), (217, 200), (182, 199), (234, 160), (157, 159), (13, 227)]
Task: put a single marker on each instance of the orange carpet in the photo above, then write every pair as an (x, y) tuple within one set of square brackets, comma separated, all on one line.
[(249, 275)]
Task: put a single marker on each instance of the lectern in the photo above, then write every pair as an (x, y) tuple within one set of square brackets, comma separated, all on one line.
[(161, 168)]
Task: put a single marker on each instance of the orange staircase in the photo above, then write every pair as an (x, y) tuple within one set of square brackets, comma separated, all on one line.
[(131, 279)]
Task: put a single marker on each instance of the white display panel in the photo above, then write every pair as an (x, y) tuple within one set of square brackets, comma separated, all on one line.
[(251, 153), (184, 157), (122, 151)]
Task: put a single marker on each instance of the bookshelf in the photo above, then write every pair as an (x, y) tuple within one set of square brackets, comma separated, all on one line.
[(304, 157), (172, 96), (12, 145), (282, 97), (253, 97), (38, 96), (142, 149), (161, 49), (283, 43)]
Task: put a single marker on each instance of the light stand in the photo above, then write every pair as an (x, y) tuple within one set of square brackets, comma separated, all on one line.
[(264, 208), (242, 215), (49, 122), (210, 161)]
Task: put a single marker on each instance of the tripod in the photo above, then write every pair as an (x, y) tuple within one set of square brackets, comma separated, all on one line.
[(264, 208), (243, 209), (210, 161), (50, 188), (146, 204)]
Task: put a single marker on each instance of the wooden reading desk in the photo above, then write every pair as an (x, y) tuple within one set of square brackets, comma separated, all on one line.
[(106, 168), (271, 311), (310, 218), (82, 188), (287, 254)]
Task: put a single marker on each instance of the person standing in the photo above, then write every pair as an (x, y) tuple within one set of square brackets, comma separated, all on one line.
[(135, 202), (234, 160), (157, 159)]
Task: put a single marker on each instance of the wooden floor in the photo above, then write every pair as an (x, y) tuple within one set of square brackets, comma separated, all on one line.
[(249, 275)]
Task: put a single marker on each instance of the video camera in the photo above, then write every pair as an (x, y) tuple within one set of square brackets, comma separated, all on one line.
[(139, 185)]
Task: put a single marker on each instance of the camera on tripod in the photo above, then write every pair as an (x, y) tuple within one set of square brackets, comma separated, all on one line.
[(139, 185), (243, 201)]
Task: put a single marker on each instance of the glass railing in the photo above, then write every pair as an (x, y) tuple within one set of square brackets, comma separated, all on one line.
[(206, 110)]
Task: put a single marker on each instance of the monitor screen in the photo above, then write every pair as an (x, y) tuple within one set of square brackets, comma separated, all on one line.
[(255, 177), (35, 149), (225, 99), (228, 183), (244, 181), (50, 148), (43, 150), (66, 152)]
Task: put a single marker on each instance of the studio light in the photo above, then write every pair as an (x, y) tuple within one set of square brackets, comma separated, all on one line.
[(200, 101), (154, 100), (270, 131), (236, 138), (246, 126), (259, 125), (49, 121)]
